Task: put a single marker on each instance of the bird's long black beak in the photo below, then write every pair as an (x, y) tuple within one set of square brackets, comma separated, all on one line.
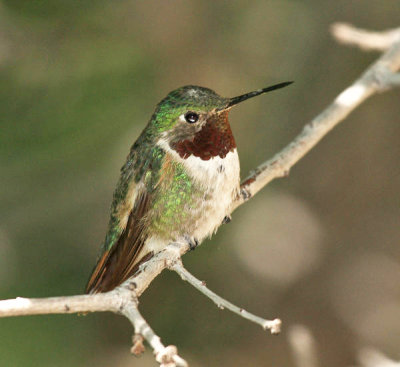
[(243, 97)]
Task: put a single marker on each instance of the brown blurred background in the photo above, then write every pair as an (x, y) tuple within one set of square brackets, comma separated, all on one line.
[(80, 79)]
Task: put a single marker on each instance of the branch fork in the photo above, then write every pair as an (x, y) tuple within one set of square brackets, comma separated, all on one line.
[(380, 76)]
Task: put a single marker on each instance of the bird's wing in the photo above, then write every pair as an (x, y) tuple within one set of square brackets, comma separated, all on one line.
[(127, 229)]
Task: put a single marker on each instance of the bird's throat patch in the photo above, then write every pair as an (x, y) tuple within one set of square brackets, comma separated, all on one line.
[(214, 139)]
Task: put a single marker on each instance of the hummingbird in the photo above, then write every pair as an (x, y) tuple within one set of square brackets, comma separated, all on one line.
[(178, 183)]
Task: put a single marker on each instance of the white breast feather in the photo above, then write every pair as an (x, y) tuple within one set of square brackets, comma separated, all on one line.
[(219, 178)]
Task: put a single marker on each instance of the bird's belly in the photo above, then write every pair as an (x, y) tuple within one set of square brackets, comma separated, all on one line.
[(214, 186), (219, 178), (214, 210)]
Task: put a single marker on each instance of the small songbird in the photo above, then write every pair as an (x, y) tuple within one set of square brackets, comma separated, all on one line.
[(178, 183)]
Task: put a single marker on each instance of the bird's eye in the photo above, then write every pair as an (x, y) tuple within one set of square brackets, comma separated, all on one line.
[(191, 117)]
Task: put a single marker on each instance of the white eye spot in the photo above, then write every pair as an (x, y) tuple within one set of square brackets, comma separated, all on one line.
[(182, 118)]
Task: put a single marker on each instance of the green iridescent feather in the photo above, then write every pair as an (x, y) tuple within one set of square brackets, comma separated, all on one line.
[(146, 159), (143, 157)]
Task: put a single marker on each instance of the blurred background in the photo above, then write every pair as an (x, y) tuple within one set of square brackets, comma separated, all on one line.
[(319, 249)]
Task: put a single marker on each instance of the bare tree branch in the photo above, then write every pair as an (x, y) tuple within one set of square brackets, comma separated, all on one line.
[(165, 356), (121, 300), (380, 76), (273, 325), (366, 40)]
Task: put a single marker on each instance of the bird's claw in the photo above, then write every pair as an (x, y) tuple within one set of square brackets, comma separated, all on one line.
[(246, 195), (193, 243)]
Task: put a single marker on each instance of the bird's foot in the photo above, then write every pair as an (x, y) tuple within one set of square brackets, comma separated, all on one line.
[(193, 242), (246, 195)]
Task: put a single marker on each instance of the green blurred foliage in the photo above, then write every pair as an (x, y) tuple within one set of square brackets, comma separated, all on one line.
[(80, 79)]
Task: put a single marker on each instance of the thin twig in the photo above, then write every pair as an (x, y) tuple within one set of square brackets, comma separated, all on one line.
[(366, 40), (165, 356), (273, 325), (380, 76)]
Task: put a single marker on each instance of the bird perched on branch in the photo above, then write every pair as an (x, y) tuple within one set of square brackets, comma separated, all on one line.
[(178, 183)]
